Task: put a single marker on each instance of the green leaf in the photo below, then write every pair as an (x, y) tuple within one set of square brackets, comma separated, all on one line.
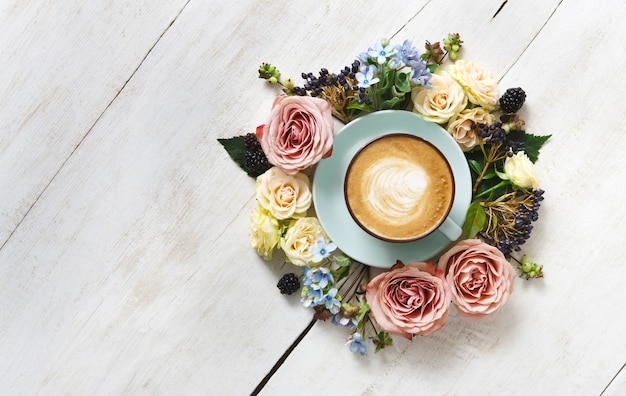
[(342, 261), (393, 103), (475, 220), (354, 104), (236, 149), (340, 273), (432, 67), (532, 143), (489, 175), (402, 82), (475, 166)]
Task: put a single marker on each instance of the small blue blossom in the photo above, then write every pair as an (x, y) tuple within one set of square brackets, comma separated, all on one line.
[(319, 277), (357, 345), (340, 320), (395, 63), (331, 302), (322, 277), (420, 73), (366, 78), (363, 58), (406, 52), (322, 250), (380, 53), (312, 296)]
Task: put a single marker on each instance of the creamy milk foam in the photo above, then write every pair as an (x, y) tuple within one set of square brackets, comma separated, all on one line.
[(399, 188)]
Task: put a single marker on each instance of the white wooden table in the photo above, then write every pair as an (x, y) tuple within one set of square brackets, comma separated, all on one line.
[(125, 265)]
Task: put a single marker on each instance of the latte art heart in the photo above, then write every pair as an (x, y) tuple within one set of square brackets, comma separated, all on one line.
[(399, 188), (396, 187)]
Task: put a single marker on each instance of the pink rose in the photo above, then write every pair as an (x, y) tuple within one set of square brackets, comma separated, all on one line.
[(411, 300), (298, 134), (479, 276)]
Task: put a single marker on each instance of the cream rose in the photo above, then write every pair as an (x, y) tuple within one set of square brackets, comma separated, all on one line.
[(299, 132), (480, 277), (521, 171), (285, 196), (411, 300), (300, 236), (441, 102), (460, 126), (479, 84), (264, 232)]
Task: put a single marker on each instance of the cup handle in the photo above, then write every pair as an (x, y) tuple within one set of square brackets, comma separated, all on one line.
[(450, 229)]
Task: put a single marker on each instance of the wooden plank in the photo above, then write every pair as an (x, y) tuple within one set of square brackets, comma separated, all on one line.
[(133, 272), (562, 334), (62, 64), (617, 386)]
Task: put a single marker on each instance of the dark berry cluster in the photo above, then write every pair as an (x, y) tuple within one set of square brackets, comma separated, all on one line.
[(288, 284), (254, 159), (491, 134), (345, 80), (512, 100), (516, 224), (512, 147)]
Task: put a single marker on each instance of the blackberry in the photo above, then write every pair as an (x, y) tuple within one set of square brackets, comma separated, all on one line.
[(251, 142), (288, 284), (512, 100), (255, 162)]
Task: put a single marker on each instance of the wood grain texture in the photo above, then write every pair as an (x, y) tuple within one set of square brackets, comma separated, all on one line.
[(132, 271), (62, 64), (563, 334), (618, 384)]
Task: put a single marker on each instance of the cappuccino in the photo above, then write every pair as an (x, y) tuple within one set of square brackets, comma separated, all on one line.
[(399, 188)]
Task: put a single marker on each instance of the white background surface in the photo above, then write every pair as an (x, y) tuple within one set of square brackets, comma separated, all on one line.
[(125, 265)]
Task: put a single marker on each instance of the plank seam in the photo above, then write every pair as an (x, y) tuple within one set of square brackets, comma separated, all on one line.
[(282, 359), (531, 41), (106, 108), (613, 379)]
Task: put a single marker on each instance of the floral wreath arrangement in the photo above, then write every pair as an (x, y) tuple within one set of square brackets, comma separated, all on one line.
[(477, 273)]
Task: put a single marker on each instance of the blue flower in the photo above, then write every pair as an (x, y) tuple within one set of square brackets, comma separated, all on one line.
[(313, 296), (356, 345), (318, 277), (366, 78), (380, 53), (322, 277), (331, 302), (341, 320), (322, 250), (420, 73), (406, 52), (363, 58)]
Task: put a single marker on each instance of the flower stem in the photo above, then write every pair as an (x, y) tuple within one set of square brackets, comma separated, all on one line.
[(487, 191)]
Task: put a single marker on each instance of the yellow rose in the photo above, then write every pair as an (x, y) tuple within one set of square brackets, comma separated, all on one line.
[(460, 126), (441, 102), (521, 171), (264, 232), (300, 236), (285, 196), (479, 85)]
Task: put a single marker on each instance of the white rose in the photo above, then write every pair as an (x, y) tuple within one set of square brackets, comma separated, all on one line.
[(441, 102), (460, 126), (264, 232), (479, 84), (521, 171), (285, 196), (300, 236)]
